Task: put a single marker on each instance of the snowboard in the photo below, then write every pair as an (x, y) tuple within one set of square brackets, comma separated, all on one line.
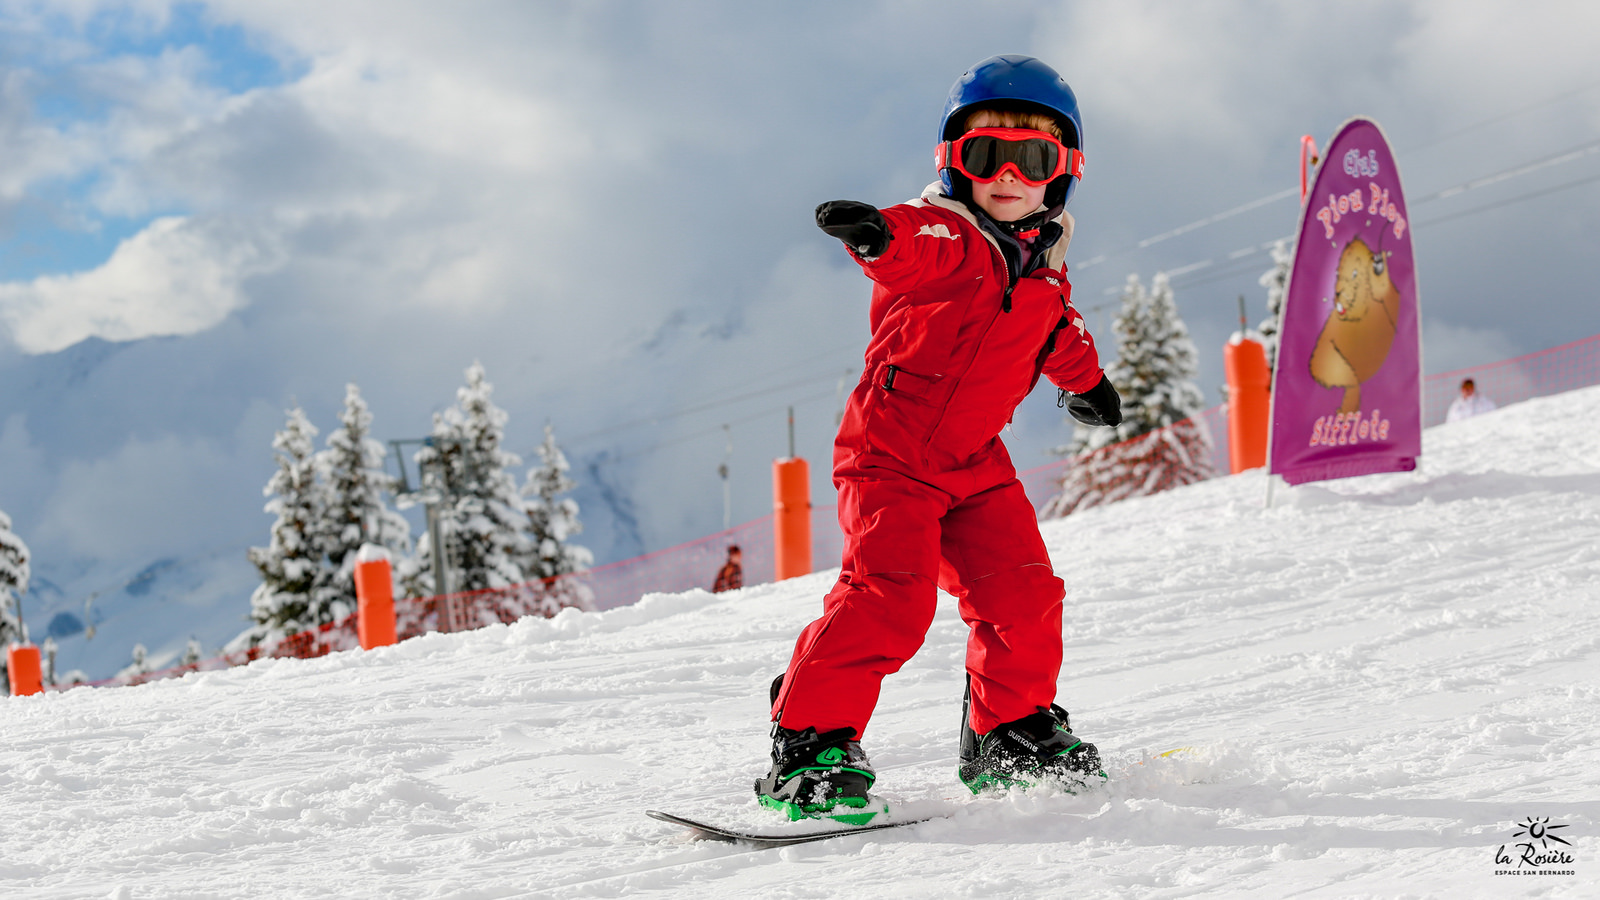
[(820, 829), (823, 832)]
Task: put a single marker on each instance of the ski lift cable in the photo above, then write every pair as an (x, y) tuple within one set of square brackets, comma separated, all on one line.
[(1185, 229), (853, 345), (1510, 200), (1228, 214), (1241, 267), (1556, 159), (1492, 120), (1576, 153), (682, 438), (1271, 198), (699, 407), (1529, 195), (1237, 259)]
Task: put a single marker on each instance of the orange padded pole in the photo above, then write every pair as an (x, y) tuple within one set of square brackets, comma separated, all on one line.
[(791, 518), (374, 603), (22, 666), (1249, 403)]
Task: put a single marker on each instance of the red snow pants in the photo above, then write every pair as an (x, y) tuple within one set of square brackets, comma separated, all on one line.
[(904, 537)]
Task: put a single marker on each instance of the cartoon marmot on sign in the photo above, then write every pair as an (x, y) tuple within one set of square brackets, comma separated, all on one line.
[(1360, 329)]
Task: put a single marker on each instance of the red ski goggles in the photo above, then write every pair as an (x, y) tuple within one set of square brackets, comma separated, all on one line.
[(984, 154)]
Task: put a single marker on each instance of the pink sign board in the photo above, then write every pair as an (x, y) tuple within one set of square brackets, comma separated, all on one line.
[(1347, 392)]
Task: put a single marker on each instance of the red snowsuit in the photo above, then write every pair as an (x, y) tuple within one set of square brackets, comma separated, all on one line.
[(927, 493)]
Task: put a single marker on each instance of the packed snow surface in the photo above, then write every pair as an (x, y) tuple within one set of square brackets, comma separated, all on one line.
[(1385, 681)]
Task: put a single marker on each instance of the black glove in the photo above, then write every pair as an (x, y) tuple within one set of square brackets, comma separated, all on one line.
[(859, 225), (1099, 405)]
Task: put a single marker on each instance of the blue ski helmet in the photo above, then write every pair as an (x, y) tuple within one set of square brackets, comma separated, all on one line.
[(1014, 83)]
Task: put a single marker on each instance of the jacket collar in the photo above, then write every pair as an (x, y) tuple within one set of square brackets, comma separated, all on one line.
[(933, 195)]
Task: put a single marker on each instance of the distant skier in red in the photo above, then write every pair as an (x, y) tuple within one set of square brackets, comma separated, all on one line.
[(731, 576), (970, 306)]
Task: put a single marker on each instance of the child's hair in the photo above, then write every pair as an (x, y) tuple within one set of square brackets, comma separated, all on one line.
[(993, 117)]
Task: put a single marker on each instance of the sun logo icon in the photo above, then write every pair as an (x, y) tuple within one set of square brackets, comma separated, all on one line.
[(1540, 830)]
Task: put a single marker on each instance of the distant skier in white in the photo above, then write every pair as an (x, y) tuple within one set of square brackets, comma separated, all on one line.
[(1468, 404)]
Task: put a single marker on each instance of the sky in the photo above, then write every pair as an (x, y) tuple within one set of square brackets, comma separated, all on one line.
[(210, 212), (1385, 686)]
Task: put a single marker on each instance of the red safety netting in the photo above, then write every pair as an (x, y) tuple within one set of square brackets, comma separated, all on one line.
[(1182, 453), (415, 616), (1200, 442), (1553, 371), (695, 563), (689, 565), (329, 638)]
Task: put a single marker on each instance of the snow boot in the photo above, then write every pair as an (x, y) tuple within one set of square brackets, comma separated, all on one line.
[(818, 776), (1031, 750)]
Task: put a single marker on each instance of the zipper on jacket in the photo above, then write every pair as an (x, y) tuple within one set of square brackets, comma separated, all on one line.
[(1005, 298), (1011, 283), (1025, 268)]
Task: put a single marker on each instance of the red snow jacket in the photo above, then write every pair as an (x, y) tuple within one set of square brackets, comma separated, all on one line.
[(947, 366)]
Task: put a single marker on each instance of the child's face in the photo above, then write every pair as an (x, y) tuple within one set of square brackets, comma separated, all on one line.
[(1007, 199)]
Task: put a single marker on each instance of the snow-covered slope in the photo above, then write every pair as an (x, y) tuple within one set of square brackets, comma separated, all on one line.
[(1384, 679)]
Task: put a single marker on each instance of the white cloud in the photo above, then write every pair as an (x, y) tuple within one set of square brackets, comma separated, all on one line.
[(97, 501), (1478, 45), (1220, 75), (164, 494), (34, 152), (1447, 347), (455, 114), (67, 113), (174, 277), (21, 484), (1232, 75)]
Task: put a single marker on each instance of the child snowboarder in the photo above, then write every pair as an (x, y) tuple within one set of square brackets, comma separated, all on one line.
[(969, 308)]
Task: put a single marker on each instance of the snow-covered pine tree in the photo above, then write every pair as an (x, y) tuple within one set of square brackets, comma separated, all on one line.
[(481, 516), (552, 523), (1160, 444), (292, 565), (356, 513), (139, 666), (1276, 281), (14, 575)]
